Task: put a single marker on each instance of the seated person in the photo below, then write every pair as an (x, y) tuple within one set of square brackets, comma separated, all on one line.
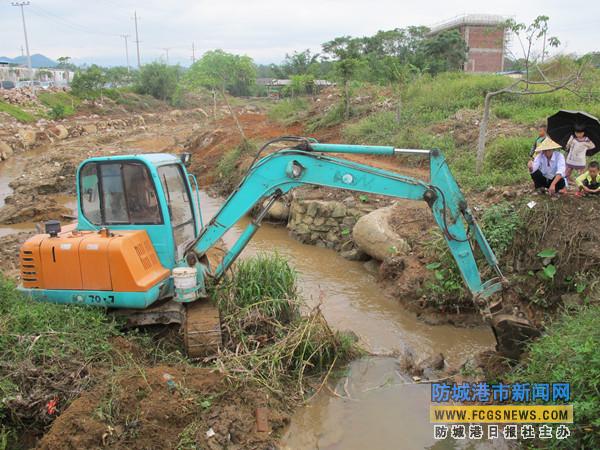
[(548, 168), (589, 181)]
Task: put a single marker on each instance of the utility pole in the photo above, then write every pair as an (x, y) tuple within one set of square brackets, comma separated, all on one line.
[(21, 5), (166, 49), (193, 53), (22, 51), (125, 36), (137, 38)]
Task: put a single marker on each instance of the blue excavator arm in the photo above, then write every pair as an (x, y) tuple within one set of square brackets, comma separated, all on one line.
[(308, 164)]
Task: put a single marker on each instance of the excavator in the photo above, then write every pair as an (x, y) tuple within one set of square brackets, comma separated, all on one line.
[(140, 246)]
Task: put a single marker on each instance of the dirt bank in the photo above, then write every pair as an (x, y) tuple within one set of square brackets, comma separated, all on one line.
[(165, 407)]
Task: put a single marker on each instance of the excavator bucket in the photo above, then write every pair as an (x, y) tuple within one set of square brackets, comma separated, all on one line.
[(512, 334)]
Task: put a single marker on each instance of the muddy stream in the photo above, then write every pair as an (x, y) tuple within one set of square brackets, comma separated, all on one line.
[(378, 407)]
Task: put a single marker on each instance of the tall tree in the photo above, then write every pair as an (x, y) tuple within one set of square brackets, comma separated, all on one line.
[(223, 72), (158, 80), (345, 50), (445, 52)]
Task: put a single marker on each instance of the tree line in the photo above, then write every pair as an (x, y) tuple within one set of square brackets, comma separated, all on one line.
[(386, 57)]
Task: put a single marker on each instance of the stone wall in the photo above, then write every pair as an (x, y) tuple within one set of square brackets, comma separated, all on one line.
[(326, 223)]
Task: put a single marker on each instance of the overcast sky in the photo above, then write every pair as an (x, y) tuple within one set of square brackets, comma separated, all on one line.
[(88, 31)]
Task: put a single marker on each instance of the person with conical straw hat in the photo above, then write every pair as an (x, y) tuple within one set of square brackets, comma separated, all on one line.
[(548, 167)]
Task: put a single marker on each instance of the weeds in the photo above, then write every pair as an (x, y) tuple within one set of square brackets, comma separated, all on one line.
[(268, 342), (61, 104), (500, 222), (229, 167), (46, 351), (289, 110), (569, 352)]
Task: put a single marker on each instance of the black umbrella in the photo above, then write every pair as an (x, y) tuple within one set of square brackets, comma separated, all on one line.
[(561, 127)]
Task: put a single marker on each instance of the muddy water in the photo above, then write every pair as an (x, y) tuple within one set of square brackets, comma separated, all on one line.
[(385, 409)]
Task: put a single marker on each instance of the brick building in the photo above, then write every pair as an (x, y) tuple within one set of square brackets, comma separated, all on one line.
[(485, 36)]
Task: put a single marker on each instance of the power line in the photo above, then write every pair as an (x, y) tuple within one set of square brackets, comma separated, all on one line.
[(22, 5), (65, 22)]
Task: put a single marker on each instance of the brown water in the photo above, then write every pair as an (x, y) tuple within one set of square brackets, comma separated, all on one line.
[(386, 410)]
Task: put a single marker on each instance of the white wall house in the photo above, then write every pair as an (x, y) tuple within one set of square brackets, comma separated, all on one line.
[(60, 77)]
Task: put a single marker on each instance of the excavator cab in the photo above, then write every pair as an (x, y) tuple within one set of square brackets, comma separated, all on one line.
[(136, 216)]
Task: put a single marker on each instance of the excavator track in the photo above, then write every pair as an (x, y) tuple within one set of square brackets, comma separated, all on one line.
[(202, 324), (202, 329)]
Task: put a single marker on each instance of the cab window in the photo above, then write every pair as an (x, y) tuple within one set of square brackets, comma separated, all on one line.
[(115, 193), (180, 206)]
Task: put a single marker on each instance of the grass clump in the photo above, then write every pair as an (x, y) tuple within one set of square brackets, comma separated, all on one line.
[(16, 112), (230, 167), (568, 352), (45, 353), (333, 116), (268, 341), (289, 110), (61, 104)]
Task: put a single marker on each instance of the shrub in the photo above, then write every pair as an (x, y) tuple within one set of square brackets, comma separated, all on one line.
[(568, 352), (158, 80)]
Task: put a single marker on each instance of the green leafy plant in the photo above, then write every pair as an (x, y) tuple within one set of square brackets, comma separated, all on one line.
[(57, 112), (568, 352)]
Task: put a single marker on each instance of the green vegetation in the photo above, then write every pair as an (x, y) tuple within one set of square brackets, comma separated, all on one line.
[(500, 222), (16, 112), (229, 167), (446, 290), (61, 104), (568, 352), (222, 71), (289, 110), (158, 80), (45, 352), (267, 278), (89, 83), (268, 342)]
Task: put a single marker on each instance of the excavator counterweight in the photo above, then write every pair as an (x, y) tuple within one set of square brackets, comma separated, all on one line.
[(140, 241)]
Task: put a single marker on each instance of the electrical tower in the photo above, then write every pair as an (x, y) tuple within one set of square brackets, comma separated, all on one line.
[(125, 36), (21, 5), (137, 38), (166, 49)]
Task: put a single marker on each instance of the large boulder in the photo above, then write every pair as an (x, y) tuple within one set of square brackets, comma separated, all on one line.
[(374, 235), (278, 212), (28, 137), (60, 132), (5, 151)]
